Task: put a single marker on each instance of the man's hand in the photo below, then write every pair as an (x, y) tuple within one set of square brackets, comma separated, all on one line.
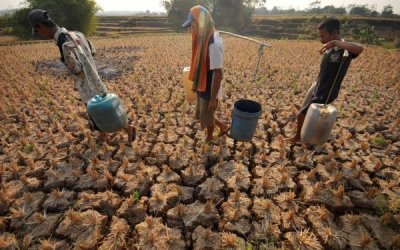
[(212, 105), (328, 46)]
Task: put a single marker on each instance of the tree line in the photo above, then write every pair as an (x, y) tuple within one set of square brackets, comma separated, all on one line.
[(352, 9), (231, 15)]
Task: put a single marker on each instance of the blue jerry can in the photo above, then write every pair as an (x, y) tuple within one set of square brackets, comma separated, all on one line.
[(107, 112)]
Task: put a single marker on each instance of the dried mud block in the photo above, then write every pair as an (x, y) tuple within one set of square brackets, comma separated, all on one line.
[(211, 189), (175, 216), (266, 209), (361, 199), (118, 236), (58, 201), (25, 207), (40, 226), (324, 227), (357, 235), (240, 226), (158, 204), (223, 170), (168, 176), (13, 189), (319, 193), (105, 202), (173, 193), (264, 232), (193, 175), (180, 159), (382, 233), (93, 180), (85, 229), (232, 241), (291, 221), (240, 179), (9, 241), (37, 169), (134, 211), (139, 181), (51, 244), (127, 153), (153, 234), (5, 202), (198, 213), (62, 176), (287, 201), (236, 214), (302, 240), (206, 239)]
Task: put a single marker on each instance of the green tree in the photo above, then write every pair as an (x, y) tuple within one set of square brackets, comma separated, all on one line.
[(178, 10), (360, 10), (367, 34), (72, 14), (228, 14), (330, 9), (387, 11)]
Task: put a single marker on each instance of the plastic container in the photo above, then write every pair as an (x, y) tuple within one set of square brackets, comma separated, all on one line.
[(190, 95), (107, 112), (318, 123), (245, 116)]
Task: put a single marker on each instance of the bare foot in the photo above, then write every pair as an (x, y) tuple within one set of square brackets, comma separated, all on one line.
[(293, 140), (223, 129), (103, 136), (131, 131)]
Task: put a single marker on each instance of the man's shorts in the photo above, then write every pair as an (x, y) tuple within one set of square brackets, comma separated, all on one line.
[(205, 116), (310, 99)]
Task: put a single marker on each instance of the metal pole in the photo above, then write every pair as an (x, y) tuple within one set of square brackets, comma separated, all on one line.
[(245, 38)]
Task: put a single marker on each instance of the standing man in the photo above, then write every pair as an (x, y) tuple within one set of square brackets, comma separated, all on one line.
[(77, 54), (206, 69), (332, 50)]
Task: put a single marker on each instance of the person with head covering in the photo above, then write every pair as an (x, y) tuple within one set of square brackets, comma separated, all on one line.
[(206, 69), (77, 54)]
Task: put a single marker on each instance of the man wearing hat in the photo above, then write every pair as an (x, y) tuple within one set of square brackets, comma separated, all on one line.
[(77, 54), (206, 69)]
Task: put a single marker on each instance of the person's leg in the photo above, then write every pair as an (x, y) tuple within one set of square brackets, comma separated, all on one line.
[(302, 114), (207, 120), (310, 94), (197, 110), (131, 131), (102, 136), (300, 120), (223, 128), (210, 131)]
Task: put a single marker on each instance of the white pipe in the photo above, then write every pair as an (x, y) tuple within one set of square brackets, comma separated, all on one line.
[(244, 37)]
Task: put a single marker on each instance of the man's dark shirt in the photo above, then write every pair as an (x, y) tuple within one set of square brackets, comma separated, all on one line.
[(329, 68)]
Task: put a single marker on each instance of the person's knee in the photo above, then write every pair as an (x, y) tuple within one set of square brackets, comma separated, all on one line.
[(300, 115)]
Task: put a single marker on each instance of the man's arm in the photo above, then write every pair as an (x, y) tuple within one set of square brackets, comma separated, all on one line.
[(70, 59), (215, 89), (353, 48)]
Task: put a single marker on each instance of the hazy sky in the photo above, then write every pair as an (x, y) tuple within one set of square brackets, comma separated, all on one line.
[(155, 5)]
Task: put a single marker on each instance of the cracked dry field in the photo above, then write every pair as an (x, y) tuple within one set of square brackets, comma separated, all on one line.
[(62, 190)]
